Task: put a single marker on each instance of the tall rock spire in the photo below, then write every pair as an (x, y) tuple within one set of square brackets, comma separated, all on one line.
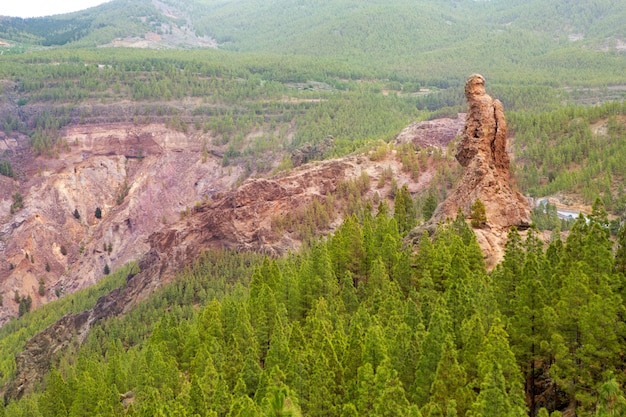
[(482, 152)]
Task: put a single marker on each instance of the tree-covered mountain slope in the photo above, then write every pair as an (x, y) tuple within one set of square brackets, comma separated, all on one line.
[(359, 325), (357, 322), (539, 41)]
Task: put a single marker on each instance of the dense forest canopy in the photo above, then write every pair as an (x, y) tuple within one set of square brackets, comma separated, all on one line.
[(556, 41), (314, 98), (360, 325)]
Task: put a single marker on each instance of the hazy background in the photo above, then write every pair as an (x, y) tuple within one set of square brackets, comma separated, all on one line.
[(35, 8)]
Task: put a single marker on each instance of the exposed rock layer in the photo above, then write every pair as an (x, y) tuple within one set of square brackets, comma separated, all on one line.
[(141, 177), (432, 133)]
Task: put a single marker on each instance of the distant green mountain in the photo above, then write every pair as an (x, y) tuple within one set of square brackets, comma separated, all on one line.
[(536, 40), (90, 27)]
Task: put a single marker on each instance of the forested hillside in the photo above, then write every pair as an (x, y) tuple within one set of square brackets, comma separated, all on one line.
[(357, 325), (232, 97), (544, 42)]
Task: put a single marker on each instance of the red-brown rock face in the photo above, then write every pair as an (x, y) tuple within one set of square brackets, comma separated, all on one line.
[(482, 152), (485, 128)]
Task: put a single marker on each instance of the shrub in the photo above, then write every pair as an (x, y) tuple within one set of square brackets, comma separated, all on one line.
[(122, 192), (25, 305), (478, 215), (429, 206), (6, 169), (18, 202)]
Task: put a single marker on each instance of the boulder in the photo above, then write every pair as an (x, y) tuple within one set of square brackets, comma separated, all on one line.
[(432, 133)]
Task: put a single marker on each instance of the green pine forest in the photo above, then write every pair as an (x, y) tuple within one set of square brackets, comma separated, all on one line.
[(356, 323), (359, 325), (231, 97)]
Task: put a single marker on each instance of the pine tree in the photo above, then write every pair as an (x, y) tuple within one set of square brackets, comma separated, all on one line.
[(506, 276), (57, 397), (502, 381), (611, 400), (375, 347), (493, 400), (263, 312), (472, 337), (450, 382), (348, 293), (349, 410), (390, 399), (429, 206), (439, 333), (366, 391), (529, 329), (317, 278), (404, 210), (478, 214), (244, 406), (620, 253), (278, 353)]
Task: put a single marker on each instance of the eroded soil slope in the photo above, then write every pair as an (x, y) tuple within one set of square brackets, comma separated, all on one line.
[(140, 177)]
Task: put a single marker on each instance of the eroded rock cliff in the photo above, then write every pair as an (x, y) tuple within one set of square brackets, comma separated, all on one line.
[(140, 177)]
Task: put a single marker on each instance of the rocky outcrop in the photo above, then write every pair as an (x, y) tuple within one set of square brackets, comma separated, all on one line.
[(38, 352), (432, 133), (241, 219), (482, 152), (308, 152)]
